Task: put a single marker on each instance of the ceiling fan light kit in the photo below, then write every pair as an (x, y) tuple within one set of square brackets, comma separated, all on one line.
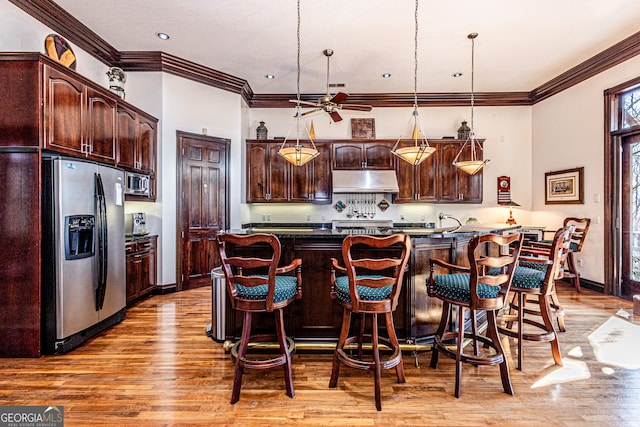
[(420, 150), (473, 165), (298, 155)]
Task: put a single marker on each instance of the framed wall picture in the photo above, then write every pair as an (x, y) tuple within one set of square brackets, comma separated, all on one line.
[(363, 128), (564, 187)]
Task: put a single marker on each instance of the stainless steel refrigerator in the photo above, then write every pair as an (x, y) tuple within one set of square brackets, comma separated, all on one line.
[(83, 253)]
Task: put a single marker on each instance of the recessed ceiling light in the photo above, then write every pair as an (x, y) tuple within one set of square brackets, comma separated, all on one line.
[(163, 36), (456, 75), (269, 76), (386, 75)]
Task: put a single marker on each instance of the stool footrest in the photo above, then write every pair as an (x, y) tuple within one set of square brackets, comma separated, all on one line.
[(267, 363), (448, 340)]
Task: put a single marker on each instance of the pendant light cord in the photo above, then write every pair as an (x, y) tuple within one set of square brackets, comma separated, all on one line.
[(415, 61), (298, 79)]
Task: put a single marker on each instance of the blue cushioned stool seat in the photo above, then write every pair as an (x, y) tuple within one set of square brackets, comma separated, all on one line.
[(533, 265), (524, 277), (456, 287), (286, 287), (366, 293)]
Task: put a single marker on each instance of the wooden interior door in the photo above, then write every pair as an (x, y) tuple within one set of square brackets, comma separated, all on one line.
[(202, 206)]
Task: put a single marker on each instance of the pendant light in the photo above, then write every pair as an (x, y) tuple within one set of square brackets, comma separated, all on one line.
[(473, 165), (298, 155), (420, 149)]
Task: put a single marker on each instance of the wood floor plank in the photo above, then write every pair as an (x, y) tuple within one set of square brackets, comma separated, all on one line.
[(158, 368)]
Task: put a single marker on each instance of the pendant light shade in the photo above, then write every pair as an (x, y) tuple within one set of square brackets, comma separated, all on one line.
[(474, 164), (298, 155), (420, 149)]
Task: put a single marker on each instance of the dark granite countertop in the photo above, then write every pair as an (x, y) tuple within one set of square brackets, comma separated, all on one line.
[(133, 238), (325, 231)]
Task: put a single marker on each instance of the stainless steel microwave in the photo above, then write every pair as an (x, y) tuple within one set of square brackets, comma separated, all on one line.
[(137, 183)]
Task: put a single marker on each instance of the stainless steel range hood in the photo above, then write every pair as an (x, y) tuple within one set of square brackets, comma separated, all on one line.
[(365, 181)]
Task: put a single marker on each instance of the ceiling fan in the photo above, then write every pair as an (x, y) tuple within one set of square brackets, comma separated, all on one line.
[(331, 104)]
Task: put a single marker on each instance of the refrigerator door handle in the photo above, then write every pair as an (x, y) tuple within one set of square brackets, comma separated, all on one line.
[(101, 227)]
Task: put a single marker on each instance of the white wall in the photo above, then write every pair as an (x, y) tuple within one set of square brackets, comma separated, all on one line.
[(19, 32), (568, 132), (507, 131), (189, 106)]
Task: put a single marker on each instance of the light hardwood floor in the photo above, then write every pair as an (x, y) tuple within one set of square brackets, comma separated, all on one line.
[(158, 367)]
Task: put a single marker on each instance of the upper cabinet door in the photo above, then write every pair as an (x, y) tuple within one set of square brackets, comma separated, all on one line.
[(101, 118), (64, 110), (448, 186), (321, 186), (378, 155), (127, 135), (362, 155), (146, 145), (348, 156)]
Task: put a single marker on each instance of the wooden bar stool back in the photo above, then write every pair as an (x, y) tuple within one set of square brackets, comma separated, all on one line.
[(577, 242), (255, 284), (472, 289), (369, 285), (535, 277)]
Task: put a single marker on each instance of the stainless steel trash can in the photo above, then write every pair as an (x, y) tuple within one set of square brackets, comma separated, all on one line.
[(216, 330)]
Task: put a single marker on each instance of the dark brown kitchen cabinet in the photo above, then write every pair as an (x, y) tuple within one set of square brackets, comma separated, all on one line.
[(266, 173), (436, 179), (137, 136), (417, 183), (363, 155), (272, 179), (312, 182), (136, 140), (456, 186), (141, 263), (78, 120)]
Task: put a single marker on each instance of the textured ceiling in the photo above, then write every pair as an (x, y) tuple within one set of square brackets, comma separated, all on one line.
[(521, 44)]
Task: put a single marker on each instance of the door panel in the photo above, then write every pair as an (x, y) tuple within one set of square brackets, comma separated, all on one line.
[(202, 206), (630, 215)]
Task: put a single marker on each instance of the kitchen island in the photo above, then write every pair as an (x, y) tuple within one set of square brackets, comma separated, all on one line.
[(315, 320)]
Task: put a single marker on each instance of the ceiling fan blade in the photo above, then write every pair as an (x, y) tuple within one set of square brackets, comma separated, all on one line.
[(335, 116), (339, 97), (356, 107), (315, 104), (310, 112)]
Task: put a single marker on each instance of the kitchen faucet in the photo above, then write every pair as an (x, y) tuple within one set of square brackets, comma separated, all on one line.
[(445, 216)]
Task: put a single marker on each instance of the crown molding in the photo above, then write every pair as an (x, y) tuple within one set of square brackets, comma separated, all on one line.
[(59, 20), (608, 58), (444, 99), (160, 61)]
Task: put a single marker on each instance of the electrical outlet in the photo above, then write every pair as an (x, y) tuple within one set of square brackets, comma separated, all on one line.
[(579, 263), (308, 217), (422, 218)]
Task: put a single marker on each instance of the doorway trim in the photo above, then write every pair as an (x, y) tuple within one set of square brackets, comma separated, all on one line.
[(179, 225), (613, 137)]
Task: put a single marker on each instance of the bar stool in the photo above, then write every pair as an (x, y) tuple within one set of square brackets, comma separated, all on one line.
[(474, 289), (535, 276), (252, 291), (370, 285), (577, 241)]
